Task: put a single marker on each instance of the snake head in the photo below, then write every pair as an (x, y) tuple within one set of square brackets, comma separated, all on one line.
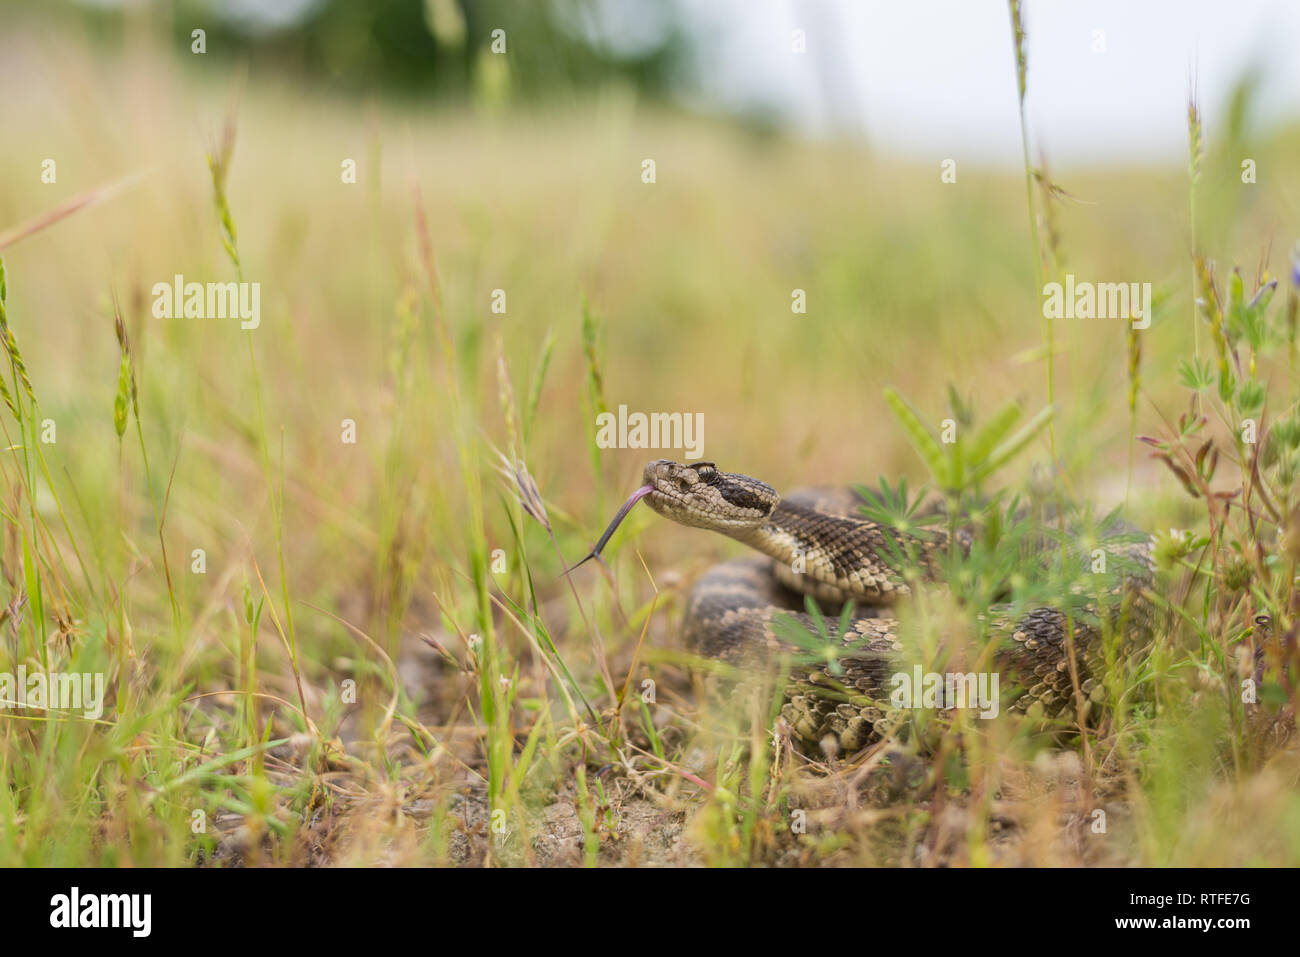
[(701, 496)]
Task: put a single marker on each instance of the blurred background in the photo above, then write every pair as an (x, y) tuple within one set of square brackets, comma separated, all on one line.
[(914, 78)]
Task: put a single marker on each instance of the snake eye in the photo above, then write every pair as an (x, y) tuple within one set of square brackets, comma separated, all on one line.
[(706, 471)]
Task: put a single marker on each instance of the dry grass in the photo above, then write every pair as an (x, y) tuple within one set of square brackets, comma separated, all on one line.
[(376, 563)]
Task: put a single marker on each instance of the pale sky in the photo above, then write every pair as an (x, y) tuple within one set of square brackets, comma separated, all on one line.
[(936, 77)]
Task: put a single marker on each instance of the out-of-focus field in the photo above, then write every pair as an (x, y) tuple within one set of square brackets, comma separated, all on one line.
[(910, 282)]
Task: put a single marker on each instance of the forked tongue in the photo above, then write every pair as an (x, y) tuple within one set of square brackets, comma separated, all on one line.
[(639, 494)]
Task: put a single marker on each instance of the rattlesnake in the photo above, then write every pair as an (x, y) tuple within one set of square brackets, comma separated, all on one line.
[(1051, 659)]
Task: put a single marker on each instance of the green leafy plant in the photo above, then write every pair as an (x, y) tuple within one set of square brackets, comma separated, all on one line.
[(964, 463)]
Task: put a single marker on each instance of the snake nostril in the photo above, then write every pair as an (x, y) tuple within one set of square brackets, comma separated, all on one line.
[(656, 471)]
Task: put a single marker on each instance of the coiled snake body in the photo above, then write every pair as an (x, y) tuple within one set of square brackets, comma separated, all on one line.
[(819, 544)]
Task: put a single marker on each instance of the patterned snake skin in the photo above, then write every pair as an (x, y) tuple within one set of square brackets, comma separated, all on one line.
[(818, 544)]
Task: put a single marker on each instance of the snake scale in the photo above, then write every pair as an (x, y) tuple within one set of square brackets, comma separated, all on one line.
[(818, 543)]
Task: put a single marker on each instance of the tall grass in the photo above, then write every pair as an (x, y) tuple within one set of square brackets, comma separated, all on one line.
[(425, 684)]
